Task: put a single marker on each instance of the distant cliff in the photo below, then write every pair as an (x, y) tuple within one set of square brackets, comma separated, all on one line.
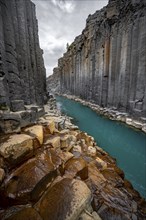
[(22, 72), (107, 62)]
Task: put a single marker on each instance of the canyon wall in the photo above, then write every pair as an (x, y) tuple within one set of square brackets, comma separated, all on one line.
[(22, 72), (107, 62)]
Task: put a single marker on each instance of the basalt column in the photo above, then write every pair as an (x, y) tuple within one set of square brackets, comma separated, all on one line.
[(107, 62), (22, 72)]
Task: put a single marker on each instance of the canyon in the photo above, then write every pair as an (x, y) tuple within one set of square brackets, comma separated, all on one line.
[(106, 64), (49, 169)]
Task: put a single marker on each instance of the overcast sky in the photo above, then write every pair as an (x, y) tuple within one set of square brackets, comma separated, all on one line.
[(60, 21)]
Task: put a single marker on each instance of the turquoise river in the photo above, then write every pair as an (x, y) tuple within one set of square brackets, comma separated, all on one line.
[(127, 145)]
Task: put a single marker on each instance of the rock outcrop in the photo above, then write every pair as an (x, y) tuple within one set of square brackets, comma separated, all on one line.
[(107, 62), (22, 72), (72, 179)]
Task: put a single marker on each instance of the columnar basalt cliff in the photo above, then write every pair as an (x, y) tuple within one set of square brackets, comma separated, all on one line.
[(22, 72), (107, 62)]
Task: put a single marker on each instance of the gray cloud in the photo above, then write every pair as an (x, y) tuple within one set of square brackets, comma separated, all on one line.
[(60, 21)]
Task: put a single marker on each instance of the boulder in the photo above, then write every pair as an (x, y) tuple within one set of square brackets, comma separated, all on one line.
[(64, 201), (36, 131), (17, 148), (30, 180), (76, 167)]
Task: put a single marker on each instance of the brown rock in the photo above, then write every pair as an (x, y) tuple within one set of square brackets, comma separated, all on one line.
[(51, 126), (54, 141), (36, 131), (76, 167), (64, 201), (17, 148), (68, 141), (29, 181)]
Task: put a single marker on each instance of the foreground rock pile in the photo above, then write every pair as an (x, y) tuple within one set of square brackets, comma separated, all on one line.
[(53, 171)]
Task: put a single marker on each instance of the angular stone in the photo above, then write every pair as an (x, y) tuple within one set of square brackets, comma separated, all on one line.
[(16, 148), (53, 141), (51, 126), (36, 131), (74, 197)]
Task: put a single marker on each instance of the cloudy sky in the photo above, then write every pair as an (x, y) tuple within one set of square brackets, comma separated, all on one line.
[(60, 21)]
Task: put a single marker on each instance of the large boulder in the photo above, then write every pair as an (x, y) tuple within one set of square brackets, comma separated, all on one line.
[(16, 148), (64, 201)]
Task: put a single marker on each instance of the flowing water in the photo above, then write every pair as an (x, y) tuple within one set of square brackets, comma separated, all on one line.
[(127, 145)]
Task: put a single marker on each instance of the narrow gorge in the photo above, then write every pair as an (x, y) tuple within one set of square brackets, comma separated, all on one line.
[(49, 168), (107, 62)]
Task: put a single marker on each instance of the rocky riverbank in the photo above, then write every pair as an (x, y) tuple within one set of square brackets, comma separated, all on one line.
[(53, 171), (111, 113)]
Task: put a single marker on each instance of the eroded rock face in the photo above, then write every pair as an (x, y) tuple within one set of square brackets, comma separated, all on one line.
[(106, 63)]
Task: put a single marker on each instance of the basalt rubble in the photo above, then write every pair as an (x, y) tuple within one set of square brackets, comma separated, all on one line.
[(53, 171)]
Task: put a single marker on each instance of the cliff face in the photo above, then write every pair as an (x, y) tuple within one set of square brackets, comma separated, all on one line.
[(22, 72), (107, 62)]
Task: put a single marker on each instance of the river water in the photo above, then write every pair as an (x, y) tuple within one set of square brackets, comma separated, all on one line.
[(125, 144)]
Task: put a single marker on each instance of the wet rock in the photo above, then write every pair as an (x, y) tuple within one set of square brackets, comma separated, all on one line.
[(73, 198), (17, 148), (76, 167), (36, 131)]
